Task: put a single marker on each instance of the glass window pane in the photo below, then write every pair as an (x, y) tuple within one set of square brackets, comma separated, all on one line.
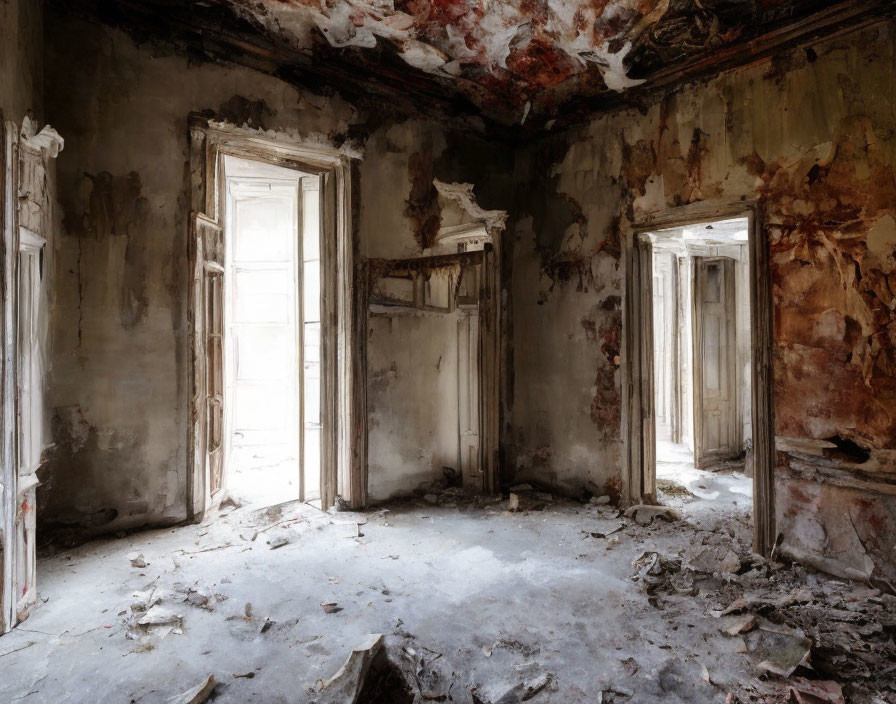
[(311, 291), (262, 296), (312, 463), (264, 229), (312, 342), (312, 394), (311, 225)]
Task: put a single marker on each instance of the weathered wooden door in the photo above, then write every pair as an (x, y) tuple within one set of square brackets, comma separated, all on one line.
[(469, 399), (715, 359), (208, 364), (26, 224)]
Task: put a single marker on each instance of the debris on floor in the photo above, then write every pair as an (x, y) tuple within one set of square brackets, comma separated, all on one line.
[(197, 695), (798, 628), (645, 513), (604, 609), (346, 685)]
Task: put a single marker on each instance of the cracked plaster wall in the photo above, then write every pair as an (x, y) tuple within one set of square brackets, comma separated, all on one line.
[(121, 344), (809, 134), (412, 360)]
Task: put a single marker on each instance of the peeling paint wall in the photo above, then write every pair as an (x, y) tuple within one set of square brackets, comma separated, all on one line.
[(412, 361), (412, 401), (810, 136), (121, 343)]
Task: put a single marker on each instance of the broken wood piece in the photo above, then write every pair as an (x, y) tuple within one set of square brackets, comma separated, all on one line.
[(331, 607), (347, 683), (197, 694)]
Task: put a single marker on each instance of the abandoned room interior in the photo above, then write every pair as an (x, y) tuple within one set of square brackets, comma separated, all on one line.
[(386, 351)]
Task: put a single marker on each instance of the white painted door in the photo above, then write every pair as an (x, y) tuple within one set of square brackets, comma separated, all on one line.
[(264, 326), (715, 360), (469, 398)]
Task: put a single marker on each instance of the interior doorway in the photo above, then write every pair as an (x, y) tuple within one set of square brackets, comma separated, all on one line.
[(697, 359), (271, 345), (701, 364), (339, 435)]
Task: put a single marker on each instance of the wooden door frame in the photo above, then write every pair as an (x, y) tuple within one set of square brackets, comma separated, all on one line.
[(639, 421), (489, 326), (343, 340), (8, 454)]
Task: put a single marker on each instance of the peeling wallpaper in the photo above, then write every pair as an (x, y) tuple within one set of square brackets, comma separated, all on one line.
[(810, 136)]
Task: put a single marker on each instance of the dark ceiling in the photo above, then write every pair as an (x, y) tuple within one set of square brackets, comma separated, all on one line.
[(510, 61)]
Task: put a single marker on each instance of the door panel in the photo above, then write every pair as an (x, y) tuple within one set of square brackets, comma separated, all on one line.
[(664, 325), (715, 360), (468, 400)]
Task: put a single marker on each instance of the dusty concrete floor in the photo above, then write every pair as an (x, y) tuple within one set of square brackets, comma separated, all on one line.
[(700, 494), (482, 599)]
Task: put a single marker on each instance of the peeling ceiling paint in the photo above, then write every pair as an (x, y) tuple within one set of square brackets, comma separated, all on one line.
[(518, 50), (510, 61)]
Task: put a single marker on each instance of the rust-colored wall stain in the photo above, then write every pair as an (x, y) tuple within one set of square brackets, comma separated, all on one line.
[(606, 406), (835, 338)]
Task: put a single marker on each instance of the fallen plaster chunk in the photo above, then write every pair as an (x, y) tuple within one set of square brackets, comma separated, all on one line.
[(517, 693), (804, 691), (137, 560), (599, 500), (644, 513), (145, 599), (779, 649), (160, 616), (347, 683), (197, 694), (714, 559), (280, 538), (740, 624)]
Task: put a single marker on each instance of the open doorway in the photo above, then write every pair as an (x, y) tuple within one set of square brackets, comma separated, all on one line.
[(320, 390), (701, 365), (271, 342), (706, 337)]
